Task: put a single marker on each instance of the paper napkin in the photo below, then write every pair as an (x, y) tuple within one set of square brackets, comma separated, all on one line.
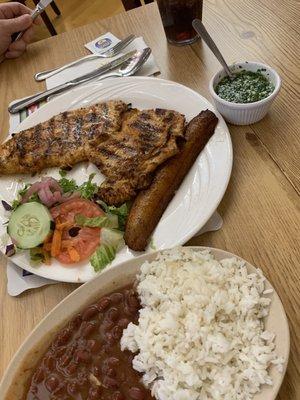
[(150, 67)]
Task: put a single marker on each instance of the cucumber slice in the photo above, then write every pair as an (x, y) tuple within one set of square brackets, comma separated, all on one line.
[(29, 225)]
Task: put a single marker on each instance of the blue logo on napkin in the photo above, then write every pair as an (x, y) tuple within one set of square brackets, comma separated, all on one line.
[(103, 43)]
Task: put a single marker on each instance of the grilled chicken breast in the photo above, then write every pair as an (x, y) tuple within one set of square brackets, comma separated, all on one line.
[(126, 144), (128, 158), (62, 141)]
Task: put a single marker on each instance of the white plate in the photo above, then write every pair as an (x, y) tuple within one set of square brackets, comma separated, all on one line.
[(14, 381), (195, 201)]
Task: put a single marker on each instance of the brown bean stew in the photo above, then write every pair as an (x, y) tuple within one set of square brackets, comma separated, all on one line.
[(85, 362)]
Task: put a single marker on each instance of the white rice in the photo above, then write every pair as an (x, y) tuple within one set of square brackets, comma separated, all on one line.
[(200, 333)]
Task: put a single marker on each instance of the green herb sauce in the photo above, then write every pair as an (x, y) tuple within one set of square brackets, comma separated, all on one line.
[(245, 87)]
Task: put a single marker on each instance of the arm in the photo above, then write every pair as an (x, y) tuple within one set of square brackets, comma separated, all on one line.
[(14, 17)]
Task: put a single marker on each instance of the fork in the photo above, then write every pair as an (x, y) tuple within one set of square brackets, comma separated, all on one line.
[(115, 50)]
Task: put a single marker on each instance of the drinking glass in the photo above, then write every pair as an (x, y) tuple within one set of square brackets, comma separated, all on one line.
[(177, 17)]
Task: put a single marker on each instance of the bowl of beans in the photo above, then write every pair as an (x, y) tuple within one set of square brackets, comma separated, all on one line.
[(247, 97), (74, 353)]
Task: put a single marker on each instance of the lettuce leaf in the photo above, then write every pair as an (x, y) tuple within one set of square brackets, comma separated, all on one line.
[(122, 212), (111, 241), (36, 255), (107, 221), (88, 189), (17, 202), (103, 256), (68, 185), (112, 237)]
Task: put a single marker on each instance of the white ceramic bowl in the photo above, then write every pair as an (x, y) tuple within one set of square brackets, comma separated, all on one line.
[(23, 364), (245, 113)]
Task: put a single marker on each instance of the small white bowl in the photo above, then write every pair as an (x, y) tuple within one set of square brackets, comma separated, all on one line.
[(245, 113)]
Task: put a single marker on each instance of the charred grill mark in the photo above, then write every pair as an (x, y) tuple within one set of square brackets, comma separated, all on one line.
[(52, 124), (98, 162), (46, 127), (36, 130), (121, 144), (53, 143), (145, 128), (169, 134), (108, 153), (20, 147), (107, 124), (20, 150), (105, 111), (91, 131), (65, 127), (92, 117), (144, 116), (168, 118), (30, 139), (160, 111), (78, 130), (147, 142)]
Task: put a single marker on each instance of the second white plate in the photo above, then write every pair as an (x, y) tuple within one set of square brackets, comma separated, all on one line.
[(195, 201), (13, 384)]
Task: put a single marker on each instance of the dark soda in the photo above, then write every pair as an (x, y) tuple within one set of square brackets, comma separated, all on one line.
[(177, 17)]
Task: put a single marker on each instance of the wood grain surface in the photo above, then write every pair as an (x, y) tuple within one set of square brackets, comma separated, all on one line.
[(261, 206)]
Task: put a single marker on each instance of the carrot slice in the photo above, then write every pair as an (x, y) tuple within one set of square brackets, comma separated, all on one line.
[(48, 238), (64, 225), (74, 255), (47, 246), (56, 243)]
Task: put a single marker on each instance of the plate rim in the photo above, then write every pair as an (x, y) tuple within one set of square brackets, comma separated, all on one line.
[(16, 361), (228, 144)]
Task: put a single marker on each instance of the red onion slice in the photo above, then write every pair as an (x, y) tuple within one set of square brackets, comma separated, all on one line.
[(6, 206), (10, 250), (33, 189), (48, 190), (53, 184)]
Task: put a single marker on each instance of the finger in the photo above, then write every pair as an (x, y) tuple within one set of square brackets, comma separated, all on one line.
[(14, 9), (38, 21), (19, 45), (17, 24), (13, 54), (28, 35)]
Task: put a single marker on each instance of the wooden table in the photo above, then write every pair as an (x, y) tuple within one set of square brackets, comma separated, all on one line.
[(261, 206)]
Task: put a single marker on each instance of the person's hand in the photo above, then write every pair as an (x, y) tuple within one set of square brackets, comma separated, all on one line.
[(14, 17)]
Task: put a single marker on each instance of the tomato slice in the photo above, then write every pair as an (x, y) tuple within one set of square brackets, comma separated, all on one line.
[(86, 240)]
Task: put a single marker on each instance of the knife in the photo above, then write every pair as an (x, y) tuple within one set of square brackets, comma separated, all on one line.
[(28, 101), (40, 7)]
